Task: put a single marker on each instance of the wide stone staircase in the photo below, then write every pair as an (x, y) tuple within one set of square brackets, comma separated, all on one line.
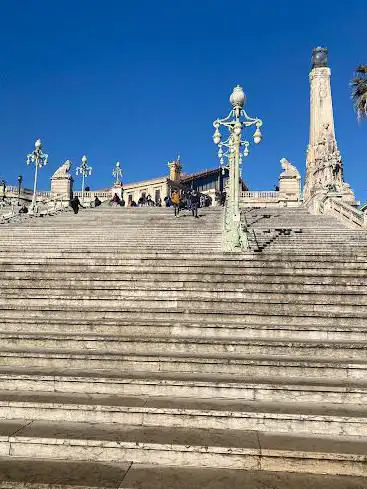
[(135, 353)]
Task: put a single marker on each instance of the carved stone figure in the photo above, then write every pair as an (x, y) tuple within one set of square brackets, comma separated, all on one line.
[(62, 181), (289, 179), (63, 170), (328, 139), (320, 150), (289, 169)]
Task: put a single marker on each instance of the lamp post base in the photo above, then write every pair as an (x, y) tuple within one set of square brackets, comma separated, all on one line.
[(235, 237)]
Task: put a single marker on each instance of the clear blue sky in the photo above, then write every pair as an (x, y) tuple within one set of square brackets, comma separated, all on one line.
[(141, 81)]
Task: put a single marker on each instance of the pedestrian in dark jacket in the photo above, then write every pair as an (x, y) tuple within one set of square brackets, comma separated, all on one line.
[(195, 203), (75, 204)]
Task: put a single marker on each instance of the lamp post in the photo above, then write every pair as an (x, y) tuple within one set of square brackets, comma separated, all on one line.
[(117, 174), (233, 148), (20, 181), (84, 170), (3, 185), (39, 159)]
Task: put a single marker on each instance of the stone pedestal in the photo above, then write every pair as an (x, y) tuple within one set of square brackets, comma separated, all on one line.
[(62, 182), (290, 180)]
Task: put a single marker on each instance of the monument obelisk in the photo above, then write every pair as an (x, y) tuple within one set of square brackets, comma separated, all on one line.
[(324, 166)]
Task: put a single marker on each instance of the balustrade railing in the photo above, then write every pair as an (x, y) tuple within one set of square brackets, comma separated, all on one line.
[(263, 195), (50, 207), (92, 194), (345, 212)]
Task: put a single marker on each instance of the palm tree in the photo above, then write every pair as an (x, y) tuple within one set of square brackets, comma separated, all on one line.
[(359, 93)]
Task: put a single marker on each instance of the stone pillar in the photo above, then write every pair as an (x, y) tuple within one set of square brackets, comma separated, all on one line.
[(175, 169), (324, 166), (62, 182)]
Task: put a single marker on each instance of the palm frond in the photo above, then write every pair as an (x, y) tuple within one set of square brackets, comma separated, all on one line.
[(359, 92)]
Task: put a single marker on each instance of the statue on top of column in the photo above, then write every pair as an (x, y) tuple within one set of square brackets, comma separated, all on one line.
[(289, 170), (63, 170)]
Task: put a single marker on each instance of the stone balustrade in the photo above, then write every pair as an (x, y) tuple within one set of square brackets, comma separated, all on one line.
[(261, 195), (11, 192), (266, 198), (101, 194), (350, 215)]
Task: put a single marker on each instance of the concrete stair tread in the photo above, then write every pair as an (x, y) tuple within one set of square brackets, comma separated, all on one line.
[(10, 312), (360, 344), (180, 324), (84, 285), (180, 265), (119, 375), (215, 295), (180, 406), (103, 253), (224, 359), (186, 439), (189, 276), (178, 259), (176, 306), (45, 474)]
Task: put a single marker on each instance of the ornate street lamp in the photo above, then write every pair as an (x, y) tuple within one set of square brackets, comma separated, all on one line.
[(232, 149), (20, 181), (117, 174), (39, 159), (3, 184), (84, 170)]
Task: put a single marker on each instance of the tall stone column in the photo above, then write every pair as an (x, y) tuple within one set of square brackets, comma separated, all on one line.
[(324, 166)]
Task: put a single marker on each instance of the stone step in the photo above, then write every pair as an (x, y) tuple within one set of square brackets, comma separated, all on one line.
[(177, 263), (188, 329), (117, 240), (235, 348), (216, 295), (351, 309), (266, 317), (206, 247), (341, 369), (243, 279), (167, 412), (182, 446), (116, 227), (55, 474), (86, 253), (116, 286), (178, 270), (184, 385), (197, 290), (47, 474)]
